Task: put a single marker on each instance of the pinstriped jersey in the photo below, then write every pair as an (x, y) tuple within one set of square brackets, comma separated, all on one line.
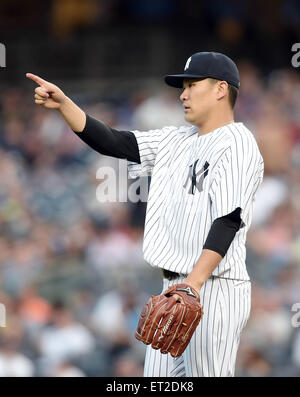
[(195, 180)]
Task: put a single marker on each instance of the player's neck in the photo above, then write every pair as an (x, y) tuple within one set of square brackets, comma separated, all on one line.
[(211, 125)]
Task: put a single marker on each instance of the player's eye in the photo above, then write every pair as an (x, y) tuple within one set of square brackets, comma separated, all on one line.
[(188, 85)]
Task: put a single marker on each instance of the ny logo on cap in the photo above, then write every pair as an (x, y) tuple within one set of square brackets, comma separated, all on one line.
[(187, 63)]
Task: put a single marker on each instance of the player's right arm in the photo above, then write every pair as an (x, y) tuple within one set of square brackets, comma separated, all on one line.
[(99, 136)]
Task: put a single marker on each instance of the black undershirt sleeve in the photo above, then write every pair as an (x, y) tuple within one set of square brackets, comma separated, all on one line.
[(222, 232), (108, 141)]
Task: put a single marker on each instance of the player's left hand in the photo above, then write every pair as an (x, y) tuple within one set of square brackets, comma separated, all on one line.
[(168, 321)]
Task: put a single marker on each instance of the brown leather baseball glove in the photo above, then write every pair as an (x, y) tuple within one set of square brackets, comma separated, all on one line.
[(167, 322)]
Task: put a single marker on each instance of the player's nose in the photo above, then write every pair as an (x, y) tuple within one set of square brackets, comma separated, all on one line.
[(184, 95)]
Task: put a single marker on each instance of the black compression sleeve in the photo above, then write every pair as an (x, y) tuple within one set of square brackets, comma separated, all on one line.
[(108, 141), (222, 232)]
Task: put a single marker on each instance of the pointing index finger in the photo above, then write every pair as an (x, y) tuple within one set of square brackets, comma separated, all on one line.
[(36, 79)]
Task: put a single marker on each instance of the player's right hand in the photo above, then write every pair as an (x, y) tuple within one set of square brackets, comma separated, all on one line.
[(47, 94)]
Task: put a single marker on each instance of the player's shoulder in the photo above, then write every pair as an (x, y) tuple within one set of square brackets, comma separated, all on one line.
[(237, 135), (183, 129), (177, 132), (242, 144), (167, 130), (238, 131)]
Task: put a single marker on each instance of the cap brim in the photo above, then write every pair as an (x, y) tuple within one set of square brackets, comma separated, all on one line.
[(176, 80)]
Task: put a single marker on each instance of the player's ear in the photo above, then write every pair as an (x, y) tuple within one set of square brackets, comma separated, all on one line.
[(222, 89)]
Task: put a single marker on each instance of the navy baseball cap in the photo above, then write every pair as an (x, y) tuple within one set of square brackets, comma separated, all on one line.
[(207, 64)]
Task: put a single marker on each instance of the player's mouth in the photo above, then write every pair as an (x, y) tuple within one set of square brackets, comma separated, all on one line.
[(186, 108)]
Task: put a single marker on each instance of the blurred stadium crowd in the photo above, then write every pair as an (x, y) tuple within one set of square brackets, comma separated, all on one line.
[(72, 275), (133, 38)]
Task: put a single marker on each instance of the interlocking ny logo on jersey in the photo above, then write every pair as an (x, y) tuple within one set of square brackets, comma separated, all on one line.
[(193, 176)]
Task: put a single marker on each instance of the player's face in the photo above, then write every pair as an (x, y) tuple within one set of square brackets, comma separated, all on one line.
[(198, 99)]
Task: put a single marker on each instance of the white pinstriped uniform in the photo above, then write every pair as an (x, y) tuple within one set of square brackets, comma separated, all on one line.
[(195, 180)]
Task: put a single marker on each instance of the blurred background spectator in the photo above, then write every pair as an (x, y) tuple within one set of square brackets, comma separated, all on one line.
[(72, 276)]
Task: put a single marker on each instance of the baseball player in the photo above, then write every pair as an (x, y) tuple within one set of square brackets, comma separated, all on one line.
[(204, 179)]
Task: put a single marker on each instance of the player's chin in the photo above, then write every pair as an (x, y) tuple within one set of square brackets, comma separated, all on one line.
[(188, 117)]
